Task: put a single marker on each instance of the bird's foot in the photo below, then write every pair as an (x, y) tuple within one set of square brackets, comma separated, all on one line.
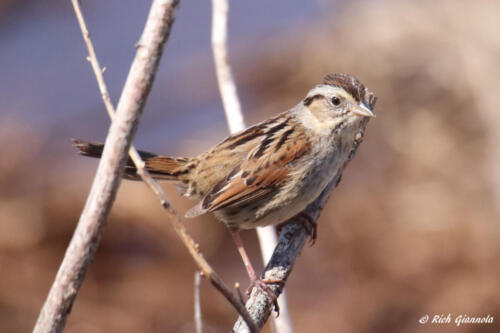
[(264, 284)]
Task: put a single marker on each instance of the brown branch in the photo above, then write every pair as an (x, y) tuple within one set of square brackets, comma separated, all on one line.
[(153, 185), (206, 270), (191, 245), (88, 232)]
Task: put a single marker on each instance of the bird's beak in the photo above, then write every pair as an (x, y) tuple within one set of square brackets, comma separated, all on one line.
[(362, 110)]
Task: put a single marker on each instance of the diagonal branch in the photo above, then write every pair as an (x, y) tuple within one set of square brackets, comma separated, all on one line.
[(177, 224)]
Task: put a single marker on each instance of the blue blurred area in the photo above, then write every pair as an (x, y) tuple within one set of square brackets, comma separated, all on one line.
[(48, 84)]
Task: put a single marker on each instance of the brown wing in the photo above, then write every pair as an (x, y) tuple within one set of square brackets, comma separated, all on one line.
[(261, 173)]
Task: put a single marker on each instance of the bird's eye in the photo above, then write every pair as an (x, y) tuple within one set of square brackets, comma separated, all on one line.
[(335, 101)]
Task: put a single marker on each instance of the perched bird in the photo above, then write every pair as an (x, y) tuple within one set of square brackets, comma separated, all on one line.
[(269, 172)]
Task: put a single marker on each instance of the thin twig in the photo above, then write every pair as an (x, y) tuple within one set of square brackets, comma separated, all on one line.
[(232, 108), (227, 87), (191, 245), (197, 304), (88, 232)]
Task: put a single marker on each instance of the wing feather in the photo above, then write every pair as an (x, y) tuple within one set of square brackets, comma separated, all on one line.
[(261, 174)]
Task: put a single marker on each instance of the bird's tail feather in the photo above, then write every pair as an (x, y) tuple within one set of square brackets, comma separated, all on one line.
[(159, 166)]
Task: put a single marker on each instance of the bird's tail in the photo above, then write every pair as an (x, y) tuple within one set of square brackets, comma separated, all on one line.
[(160, 167)]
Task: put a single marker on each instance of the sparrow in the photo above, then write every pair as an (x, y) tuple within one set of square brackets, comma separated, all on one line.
[(269, 172)]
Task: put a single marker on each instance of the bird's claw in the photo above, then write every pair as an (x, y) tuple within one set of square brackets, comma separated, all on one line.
[(264, 284)]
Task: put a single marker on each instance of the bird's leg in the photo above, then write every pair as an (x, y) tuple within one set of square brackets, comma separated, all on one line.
[(243, 254), (254, 280)]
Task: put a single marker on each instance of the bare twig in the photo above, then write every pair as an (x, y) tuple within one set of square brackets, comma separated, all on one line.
[(232, 107), (85, 241), (197, 303), (227, 87), (154, 186)]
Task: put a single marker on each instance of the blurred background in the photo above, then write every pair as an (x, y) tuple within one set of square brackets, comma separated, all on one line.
[(411, 230)]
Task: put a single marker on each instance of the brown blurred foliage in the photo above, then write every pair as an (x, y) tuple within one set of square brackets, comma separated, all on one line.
[(411, 230)]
